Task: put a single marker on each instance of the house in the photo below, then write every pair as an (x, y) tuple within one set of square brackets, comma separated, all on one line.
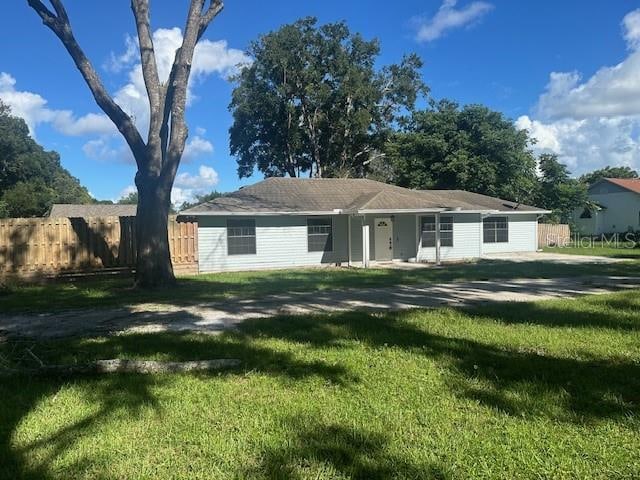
[(68, 210), (284, 222), (615, 207)]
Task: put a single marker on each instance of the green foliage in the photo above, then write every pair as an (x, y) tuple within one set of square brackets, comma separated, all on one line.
[(471, 148), (313, 102), (130, 199), (608, 172), (31, 179), (557, 190)]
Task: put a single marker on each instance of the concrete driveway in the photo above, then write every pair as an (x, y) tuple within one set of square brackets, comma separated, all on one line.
[(565, 259), (216, 317)]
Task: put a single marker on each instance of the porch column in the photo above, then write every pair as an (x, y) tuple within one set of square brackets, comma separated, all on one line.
[(437, 239), (349, 239), (365, 243)]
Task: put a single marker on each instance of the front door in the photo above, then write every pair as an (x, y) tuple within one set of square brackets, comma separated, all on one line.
[(383, 239)]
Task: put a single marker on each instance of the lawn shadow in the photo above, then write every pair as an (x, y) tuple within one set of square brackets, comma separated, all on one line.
[(114, 393), (336, 451), (516, 382)]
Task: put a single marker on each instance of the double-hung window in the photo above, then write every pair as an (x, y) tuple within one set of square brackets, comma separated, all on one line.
[(319, 234), (241, 237), (495, 230), (429, 231)]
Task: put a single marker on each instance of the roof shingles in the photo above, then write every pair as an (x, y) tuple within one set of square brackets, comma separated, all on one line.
[(295, 195)]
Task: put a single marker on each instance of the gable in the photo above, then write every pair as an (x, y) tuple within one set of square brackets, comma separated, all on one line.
[(604, 187)]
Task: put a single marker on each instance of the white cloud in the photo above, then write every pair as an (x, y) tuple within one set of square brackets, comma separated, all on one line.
[(631, 28), (187, 185), (593, 122), (448, 18), (108, 149), (34, 110), (196, 147), (210, 58), (117, 63), (126, 191)]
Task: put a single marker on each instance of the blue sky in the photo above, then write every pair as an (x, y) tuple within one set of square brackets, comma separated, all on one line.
[(568, 71)]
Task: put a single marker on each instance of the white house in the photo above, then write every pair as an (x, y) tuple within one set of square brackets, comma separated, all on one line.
[(618, 207), (286, 222)]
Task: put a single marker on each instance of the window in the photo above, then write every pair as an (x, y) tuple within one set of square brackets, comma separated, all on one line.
[(319, 234), (241, 237), (429, 231), (496, 230)]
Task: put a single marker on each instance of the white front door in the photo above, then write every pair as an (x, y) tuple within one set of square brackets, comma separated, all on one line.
[(383, 239)]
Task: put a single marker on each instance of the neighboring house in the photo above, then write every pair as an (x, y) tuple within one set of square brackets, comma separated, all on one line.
[(615, 207), (69, 210), (283, 222)]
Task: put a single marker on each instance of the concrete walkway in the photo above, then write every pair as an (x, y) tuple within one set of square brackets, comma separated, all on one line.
[(216, 317)]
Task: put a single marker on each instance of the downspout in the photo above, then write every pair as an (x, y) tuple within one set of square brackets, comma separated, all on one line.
[(538, 217), (349, 239), (438, 238)]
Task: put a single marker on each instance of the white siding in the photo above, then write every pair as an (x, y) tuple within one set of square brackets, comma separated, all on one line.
[(621, 213), (466, 240), (522, 236), (281, 241)]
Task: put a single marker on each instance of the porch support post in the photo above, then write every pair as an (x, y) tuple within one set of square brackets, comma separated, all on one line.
[(437, 238), (349, 239), (365, 243)]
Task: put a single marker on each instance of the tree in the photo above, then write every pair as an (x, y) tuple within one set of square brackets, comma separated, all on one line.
[(158, 158), (608, 172), (130, 199), (313, 102), (558, 191), (31, 179), (473, 148)]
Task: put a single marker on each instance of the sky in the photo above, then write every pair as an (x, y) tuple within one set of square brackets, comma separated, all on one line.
[(568, 71)]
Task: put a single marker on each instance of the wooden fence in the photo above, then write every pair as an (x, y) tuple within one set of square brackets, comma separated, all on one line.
[(550, 234), (53, 246)]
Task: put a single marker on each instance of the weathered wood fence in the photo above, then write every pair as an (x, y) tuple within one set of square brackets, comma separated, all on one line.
[(53, 246), (550, 234)]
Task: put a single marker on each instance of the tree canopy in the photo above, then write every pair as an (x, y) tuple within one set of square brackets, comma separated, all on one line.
[(608, 172), (312, 102), (31, 178), (471, 148), (557, 190)]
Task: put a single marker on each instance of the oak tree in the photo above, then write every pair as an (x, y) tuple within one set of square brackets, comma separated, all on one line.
[(158, 157)]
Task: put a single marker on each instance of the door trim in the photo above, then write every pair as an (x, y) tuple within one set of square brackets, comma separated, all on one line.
[(375, 233)]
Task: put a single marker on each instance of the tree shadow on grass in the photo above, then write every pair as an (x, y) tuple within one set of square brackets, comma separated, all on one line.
[(117, 393), (516, 382), (335, 451), (619, 312)]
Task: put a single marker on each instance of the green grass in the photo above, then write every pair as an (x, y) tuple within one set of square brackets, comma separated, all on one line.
[(541, 390), (597, 248), (215, 287)]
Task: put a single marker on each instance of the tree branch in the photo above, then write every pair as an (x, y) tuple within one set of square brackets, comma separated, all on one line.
[(176, 98), (59, 24), (140, 10)]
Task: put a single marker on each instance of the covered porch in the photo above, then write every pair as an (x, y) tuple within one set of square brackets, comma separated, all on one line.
[(409, 237)]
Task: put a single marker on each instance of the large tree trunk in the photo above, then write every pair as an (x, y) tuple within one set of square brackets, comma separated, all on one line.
[(153, 264)]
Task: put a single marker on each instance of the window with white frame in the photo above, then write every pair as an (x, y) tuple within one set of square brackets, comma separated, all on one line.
[(429, 231), (320, 234), (495, 230), (241, 236)]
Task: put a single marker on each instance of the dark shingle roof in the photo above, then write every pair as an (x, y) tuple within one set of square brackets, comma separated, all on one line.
[(326, 195), (69, 210)]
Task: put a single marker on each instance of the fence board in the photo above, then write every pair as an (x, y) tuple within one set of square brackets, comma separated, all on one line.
[(550, 234), (50, 246)]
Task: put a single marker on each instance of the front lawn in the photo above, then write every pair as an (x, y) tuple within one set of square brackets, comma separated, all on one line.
[(86, 293), (540, 390), (598, 249)]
